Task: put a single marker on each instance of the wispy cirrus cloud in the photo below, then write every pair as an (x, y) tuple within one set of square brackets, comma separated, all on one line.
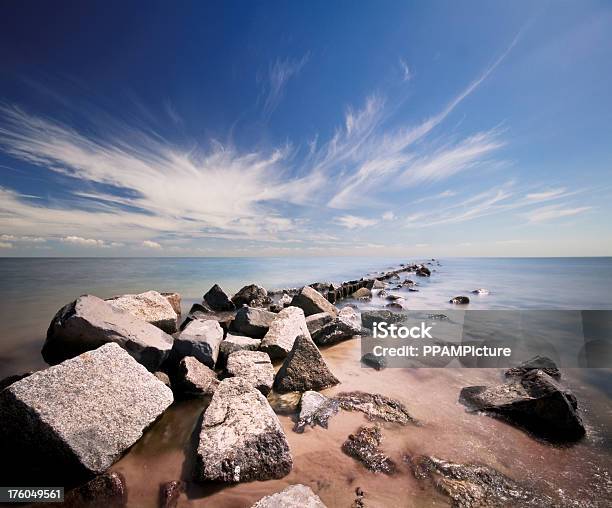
[(279, 74), (354, 222), (553, 212)]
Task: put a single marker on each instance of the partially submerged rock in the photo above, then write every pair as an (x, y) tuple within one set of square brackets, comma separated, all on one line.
[(200, 339), (344, 326), (364, 446), (294, 496), (89, 322), (252, 322), (312, 302), (304, 369), (362, 293), (104, 491), (76, 419), (375, 407), (151, 307), (193, 378), (373, 361), (369, 317), (535, 402), (315, 409), (217, 299), (284, 328), (233, 343), (241, 438), (459, 300), (251, 295), (254, 366), (542, 363), (169, 493), (423, 271), (475, 485)]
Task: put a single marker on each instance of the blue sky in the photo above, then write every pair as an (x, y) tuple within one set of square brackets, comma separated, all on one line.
[(319, 128)]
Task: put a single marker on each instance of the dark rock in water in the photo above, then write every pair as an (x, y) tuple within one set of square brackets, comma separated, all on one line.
[(378, 284), (395, 305), (252, 322), (423, 271), (437, 317), (480, 291), (369, 317), (542, 363), (362, 293), (373, 361), (163, 377), (375, 407), (359, 502), (169, 493), (392, 298), (9, 380), (74, 420), (104, 491), (413, 290), (364, 446), (475, 485), (294, 496), (200, 339), (150, 306), (312, 302), (233, 343), (459, 300), (217, 299), (288, 324), (344, 326), (251, 295), (241, 438), (408, 282), (89, 322), (382, 293), (254, 366), (535, 402), (304, 369), (193, 378), (315, 409)]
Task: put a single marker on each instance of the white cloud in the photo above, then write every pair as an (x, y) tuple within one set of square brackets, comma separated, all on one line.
[(388, 216), (151, 245), (406, 72), (548, 213), (353, 222), (25, 239), (84, 242), (546, 195), (279, 74)]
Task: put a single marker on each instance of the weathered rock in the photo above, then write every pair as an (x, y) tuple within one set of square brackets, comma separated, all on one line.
[(480, 291), (241, 438), (423, 271), (252, 322), (193, 378), (315, 322), (175, 300), (304, 369), (364, 446), (169, 493), (375, 407), (459, 300), (369, 317), (233, 343), (373, 361), (89, 322), (345, 326), (475, 485), (75, 420), (251, 295), (151, 307), (315, 409), (535, 402), (542, 363), (294, 496), (359, 502), (200, 339), (284, 328), (397, 305), (378, 284), (285, 300), (362, 293), (217, 299), (163, 377), (312, 302), (254, 366), (408, 283), (104, 491), (9, 380)]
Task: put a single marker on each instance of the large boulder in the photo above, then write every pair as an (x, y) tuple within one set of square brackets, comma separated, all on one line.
[(193, 378), (74, 420), (294, 496), (89, 322), (312, 302), (233, 343), (175, 300), (217, 299), (286, 326), (535, 402), (241, 438), (345, 326), (316, 322), (151, 307), (251, 295), (200, 339), (254, 366), (252, 322), (304, 369)]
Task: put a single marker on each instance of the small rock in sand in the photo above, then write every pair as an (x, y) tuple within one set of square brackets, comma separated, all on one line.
[(364, 446), (315, 409), (375, 406), (169, 493), (294, 496)]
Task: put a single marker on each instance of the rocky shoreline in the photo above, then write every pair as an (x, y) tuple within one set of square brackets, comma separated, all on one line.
[(118, 364)]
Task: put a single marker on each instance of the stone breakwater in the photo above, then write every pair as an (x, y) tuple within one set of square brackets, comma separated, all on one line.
[(118, 364)]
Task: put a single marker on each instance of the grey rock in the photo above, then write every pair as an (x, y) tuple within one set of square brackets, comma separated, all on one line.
[(217, 299), (200, 339), (378, 284), (284, 328), (254, 366), (312, 302), (241, 438), (89, 322), (315, 409), (373, 361), (369, 317), (345, 326), (151, 307), (252, 322), (104, 491), (294, 496), (375, 406), (317, 321), (304, 369), (251, 295), (76, 419), (233, 343), (364, 446), (542, 363), (193, 378), (362, 293), (175, 300), (459, 300)]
